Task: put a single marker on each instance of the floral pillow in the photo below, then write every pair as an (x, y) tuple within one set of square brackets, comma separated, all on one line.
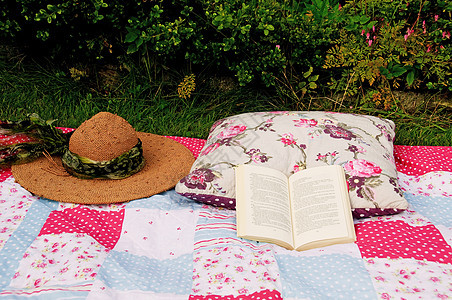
[(292, 141)]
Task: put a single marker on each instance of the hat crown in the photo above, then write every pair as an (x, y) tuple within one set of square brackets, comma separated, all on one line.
[(103, 137)]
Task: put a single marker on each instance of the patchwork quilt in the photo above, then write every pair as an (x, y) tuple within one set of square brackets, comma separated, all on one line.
[(169, 247)]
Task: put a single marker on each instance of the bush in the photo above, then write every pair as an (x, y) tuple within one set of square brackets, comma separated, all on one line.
[(296, 47), (77, 29), (392, 44), (274, 42)]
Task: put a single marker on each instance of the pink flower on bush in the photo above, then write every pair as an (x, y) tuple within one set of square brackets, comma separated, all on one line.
[(362, 168), (231, 131), (287, 139), (305, 123), (409, 31)]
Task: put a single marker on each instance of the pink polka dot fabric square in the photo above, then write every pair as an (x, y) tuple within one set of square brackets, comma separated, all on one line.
[(103, 226), (419, 160), (397, 239), (193, 144)]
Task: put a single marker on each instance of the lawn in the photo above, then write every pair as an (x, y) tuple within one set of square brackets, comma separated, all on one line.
[(149, 99)]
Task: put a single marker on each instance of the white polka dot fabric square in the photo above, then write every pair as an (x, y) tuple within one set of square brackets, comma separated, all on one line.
[(157, 234), (334, 276), (123, 271)]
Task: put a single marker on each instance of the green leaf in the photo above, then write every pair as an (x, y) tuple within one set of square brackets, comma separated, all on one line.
[(306, 74), (398, 70), (364, 19), (312, 85), (385, 72), (132, 49), (313, 78), (351, 27), (131, 36), (138, 42), (410, 77)]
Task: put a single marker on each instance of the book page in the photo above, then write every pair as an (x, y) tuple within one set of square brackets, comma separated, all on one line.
[(318, 199), (263, 210)]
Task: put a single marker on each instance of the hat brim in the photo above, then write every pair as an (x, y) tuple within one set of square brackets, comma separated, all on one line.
[(167, 161)]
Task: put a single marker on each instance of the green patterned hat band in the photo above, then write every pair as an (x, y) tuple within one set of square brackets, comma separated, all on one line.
[(120, 167), (42, 137)]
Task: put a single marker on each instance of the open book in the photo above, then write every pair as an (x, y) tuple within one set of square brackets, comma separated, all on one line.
[(309, 209)]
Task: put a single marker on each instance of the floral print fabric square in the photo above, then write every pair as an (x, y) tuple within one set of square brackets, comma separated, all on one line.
[(293, 141)]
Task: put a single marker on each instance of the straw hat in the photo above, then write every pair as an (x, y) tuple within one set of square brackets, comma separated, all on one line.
[(102, 138)]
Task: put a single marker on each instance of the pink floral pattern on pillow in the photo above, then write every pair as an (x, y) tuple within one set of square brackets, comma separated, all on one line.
[(293, 141), (232, 131), (305, 123), (361, 167), (338, 132), (198, 179)]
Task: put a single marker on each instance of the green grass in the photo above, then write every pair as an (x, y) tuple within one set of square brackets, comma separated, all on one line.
[(149, 101)]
